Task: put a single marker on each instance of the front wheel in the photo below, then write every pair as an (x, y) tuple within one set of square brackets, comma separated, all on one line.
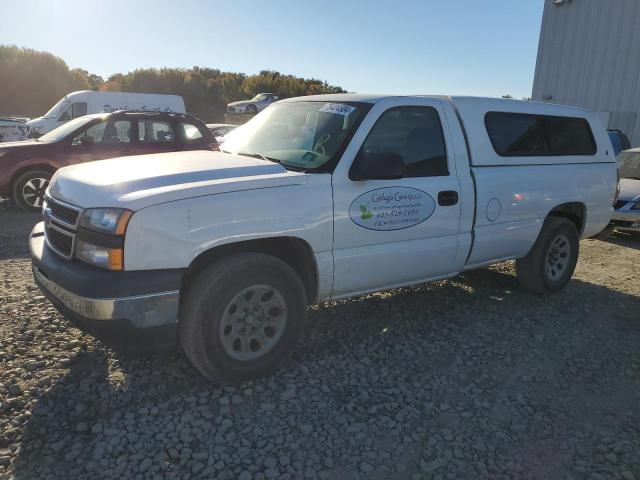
[(29, 189), (251, 109), (549, 265), (242, 316)]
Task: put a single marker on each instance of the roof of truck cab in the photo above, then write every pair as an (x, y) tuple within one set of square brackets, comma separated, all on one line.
[(457, 99), (351, 97)]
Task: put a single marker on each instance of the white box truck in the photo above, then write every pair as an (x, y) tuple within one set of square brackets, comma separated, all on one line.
[(77, 104)]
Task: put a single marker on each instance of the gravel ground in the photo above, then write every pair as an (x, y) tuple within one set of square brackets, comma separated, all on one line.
[(467, 378)]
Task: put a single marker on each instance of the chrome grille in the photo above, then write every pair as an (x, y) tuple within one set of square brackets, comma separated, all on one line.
[(60, 222), (60, 240), (63, 213)]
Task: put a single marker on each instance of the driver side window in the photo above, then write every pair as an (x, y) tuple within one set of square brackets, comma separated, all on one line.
[(75, 110), (66, 114), (104, 133), (91, 135), (415, 134)]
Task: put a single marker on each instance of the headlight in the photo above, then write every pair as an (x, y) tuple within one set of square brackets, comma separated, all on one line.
[(102, 248), (103, 257), (112, 221)]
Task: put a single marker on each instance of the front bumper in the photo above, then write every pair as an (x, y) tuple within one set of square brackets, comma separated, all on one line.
[(127, 310), (626, 220)]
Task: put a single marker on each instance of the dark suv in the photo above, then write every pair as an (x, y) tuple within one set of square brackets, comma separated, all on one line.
[(26, 167)]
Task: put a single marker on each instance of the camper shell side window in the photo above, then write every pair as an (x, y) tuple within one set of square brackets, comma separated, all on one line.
[(532, 135)]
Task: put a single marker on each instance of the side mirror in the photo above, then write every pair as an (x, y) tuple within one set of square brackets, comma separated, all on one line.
[(377, 166)]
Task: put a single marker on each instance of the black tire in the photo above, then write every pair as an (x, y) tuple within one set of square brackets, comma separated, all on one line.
[(206, 308), (28, 189), (251, 109), (543, 270)]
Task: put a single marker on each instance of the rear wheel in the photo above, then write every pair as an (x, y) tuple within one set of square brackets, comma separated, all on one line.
[(549, 265), (29, 188), (242, 317)]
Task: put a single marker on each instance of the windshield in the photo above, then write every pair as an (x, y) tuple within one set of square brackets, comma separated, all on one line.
[(53, 111), (303, 135), (629, 165), (63, 130), (260, 96)]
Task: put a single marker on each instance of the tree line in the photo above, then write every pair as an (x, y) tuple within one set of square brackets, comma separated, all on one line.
[(32, 81)]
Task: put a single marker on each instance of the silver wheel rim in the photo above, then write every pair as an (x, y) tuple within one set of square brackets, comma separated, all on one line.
[(558, 257), (33, 191), (253, 322)]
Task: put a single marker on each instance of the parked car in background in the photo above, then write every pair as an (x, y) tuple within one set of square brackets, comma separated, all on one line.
[(619, 140), (321, 197), (26, 167), (626, 215), (13, 129), (220, 129), (253, 106), (77, 104)]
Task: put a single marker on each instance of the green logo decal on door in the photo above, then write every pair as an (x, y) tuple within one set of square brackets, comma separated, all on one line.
[(391, 208)]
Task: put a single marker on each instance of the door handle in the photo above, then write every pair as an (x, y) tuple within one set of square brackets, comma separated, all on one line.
[(446, 198)]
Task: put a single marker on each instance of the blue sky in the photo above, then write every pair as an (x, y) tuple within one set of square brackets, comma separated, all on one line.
[(474, 47)]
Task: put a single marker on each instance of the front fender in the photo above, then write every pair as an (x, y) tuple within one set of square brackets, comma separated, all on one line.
[(173, 234)]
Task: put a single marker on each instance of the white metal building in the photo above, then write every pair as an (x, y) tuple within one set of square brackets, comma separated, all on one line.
[(589, 56)]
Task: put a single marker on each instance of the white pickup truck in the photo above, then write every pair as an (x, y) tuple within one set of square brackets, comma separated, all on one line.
[(318, 198)]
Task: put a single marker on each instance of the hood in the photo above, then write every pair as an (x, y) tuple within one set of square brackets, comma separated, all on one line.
[(140, 181), (37, 121), (629, 189), (21, 145)]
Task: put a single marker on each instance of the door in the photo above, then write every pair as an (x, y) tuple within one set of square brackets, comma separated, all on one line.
[(396, 231), (108, 139)]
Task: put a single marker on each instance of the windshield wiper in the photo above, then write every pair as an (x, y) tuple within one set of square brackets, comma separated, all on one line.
[(269, 159), (258, 155)]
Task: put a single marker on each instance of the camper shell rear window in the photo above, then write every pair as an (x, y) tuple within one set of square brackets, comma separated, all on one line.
[(531, 135)]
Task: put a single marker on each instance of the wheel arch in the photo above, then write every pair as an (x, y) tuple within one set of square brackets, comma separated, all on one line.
[(294, 251), (30, 167), (576, 212)]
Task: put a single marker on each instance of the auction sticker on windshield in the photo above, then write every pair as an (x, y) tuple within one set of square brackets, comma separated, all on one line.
[(391, 208), (337, 108)]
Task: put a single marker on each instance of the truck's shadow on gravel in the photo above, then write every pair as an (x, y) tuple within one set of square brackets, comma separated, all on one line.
[(471, 376), (625, 239)]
